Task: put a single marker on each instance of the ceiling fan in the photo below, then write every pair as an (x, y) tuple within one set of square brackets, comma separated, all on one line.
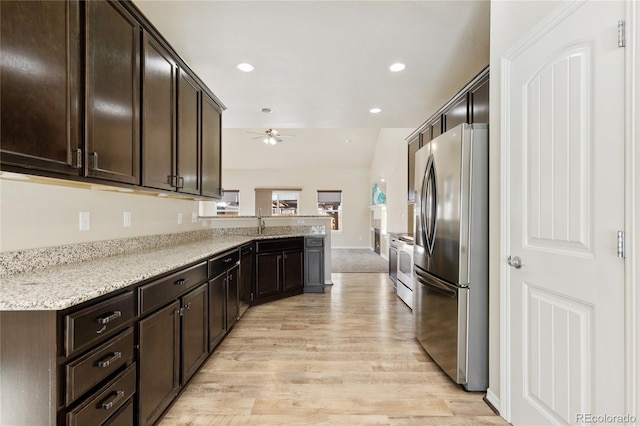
[(270, 136)]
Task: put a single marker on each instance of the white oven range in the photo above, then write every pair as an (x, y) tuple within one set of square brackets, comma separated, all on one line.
[(404, 285)]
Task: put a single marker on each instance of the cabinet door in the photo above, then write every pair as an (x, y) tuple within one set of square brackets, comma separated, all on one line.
[(159, 340), (159, 114), (314, 268), (436, 128), (246, 268), (293, 277), (39, 82), (217, 315), (411, 158), (268, 274), (479, 100), (113, 82), (211, 148), (188, 143), (232, 296), (195, 337), (457, 114)]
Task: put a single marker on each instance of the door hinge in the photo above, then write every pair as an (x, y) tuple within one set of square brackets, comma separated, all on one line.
[(621, 35), (621, 253)]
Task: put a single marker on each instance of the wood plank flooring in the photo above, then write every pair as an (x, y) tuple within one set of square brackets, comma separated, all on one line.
[(344, 357)]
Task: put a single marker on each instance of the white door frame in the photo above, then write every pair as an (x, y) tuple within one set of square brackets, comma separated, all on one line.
[(632, 202)]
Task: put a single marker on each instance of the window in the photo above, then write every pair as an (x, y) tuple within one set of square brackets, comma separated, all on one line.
[(229, 204), (284, 203), (330, 204)]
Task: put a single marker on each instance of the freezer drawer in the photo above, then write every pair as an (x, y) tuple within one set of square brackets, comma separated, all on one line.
[(440, 323)]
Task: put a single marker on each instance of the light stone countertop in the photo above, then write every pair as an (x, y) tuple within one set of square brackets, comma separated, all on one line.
[(64, 286)]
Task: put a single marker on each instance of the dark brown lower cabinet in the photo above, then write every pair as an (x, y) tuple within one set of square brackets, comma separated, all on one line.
[(268, 274), (232, 296), (245, 295), (279, 268), (217, 314), (159, 362), (292, 267), (194, 327)]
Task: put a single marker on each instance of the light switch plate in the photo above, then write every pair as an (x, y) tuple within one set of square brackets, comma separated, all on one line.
[(127, 220), (85, 221), (179, 218), (194, 217)]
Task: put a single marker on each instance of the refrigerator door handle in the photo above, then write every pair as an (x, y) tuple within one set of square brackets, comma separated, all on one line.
[(428, 205)]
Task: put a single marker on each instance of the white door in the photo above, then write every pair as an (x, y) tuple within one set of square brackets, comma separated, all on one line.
[(564, 119)]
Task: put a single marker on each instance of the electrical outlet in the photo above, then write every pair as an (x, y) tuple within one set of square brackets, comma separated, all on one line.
[(300, 220), (179, 218), (205, 222), (194, 217), (85, 221), (127, 220)]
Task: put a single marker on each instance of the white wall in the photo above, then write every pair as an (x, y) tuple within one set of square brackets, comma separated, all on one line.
[(35, 215), (354, 184), (390, 161), (510, 21)]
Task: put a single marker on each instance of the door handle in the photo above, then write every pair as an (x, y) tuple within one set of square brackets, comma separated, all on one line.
[(514, 262)]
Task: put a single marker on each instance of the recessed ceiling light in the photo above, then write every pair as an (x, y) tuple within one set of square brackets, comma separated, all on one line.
[(348, 141), (375, 110), (245, 67), (397, 67), (267, 110)]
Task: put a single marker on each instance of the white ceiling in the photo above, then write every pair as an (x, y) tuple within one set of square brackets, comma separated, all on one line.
[(324, 64)]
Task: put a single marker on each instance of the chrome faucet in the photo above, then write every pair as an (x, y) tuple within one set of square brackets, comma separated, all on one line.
[(261, 224)]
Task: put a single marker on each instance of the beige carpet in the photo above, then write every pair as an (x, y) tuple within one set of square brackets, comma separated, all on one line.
[(357, 260)]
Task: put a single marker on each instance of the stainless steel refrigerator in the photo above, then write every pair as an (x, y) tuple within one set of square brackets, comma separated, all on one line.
[(451, 253)]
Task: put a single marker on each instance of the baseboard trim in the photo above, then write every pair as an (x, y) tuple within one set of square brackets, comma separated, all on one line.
[(492, 401)]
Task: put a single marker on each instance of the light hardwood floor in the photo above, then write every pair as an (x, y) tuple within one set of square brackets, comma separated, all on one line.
[(344, 357)]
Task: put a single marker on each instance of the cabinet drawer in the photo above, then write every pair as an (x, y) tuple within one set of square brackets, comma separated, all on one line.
[(95, 323), (222, 263), (90, 369), (124, 417), (104, 403), (314, 242), (157, 293), (280, 244)]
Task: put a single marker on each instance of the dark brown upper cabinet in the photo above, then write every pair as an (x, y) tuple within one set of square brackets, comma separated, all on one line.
[(112, 93), (91, 91), (159, 74), (479, 102), (413, 147), (211, 148), (39, 82), (469, 105), (456, 114), (188, 145)]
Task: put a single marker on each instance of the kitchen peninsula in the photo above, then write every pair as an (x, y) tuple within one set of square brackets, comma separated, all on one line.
[(118, 337)]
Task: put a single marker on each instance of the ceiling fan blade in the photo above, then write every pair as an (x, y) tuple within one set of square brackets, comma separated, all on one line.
[(256, 133), (277, 138), (259, 137)]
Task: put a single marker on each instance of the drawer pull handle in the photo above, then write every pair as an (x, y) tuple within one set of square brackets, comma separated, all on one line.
[(227, 260), (182, 281), (108, 361), (108, 319), (107, 405)]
